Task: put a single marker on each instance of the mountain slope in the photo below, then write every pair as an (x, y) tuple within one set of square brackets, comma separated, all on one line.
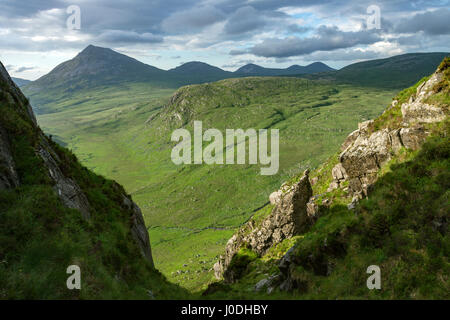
[(198, 72), (20, 82), (395, 72), (382, 201), (94, 67), (54, 213)]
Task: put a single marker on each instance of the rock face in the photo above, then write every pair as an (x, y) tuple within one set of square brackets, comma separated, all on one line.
[(289, 217), (364, 153), (66, 188), (8, 175), (138, 229), (416, 110)]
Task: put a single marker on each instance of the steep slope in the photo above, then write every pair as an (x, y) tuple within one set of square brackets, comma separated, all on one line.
[(55, 213), (383, 201), (395, 72)]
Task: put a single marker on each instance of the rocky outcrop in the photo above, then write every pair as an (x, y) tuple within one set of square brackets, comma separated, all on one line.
[(8, 174), (416, 110), (68, 190), (138, 229), (365, 152), (289, 217)]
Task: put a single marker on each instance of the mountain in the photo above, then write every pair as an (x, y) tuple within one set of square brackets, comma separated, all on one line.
[(379, 205), (255, 70), (315, 67), (198, 72), (20, 82), (96, 66), (395, 72), (55, 213)]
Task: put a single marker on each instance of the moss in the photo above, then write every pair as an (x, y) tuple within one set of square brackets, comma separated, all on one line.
[(240, 261)]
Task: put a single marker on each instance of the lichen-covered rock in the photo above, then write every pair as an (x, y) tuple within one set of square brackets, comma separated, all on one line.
[(338, 172), (413, 138), (365, 152), (362, 160), (68, 190), (289, 217), (416, 110)]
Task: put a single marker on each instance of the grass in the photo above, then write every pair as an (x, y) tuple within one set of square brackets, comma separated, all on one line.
[(107, 131), (40, 238), (401, 227)]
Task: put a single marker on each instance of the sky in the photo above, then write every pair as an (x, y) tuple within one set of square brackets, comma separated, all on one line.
[(37, 35)]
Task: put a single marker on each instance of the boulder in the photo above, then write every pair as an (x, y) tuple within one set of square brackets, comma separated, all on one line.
[(414, 137)]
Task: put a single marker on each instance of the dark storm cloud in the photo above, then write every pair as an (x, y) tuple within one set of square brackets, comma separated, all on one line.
[(238, 23), (326, 39), (431, 22), (193, 19), (245, 19)]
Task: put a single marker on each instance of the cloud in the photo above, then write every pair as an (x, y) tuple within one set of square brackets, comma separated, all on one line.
[(269, 31), (431, 22), (245, 19), (23, 69), (192, 20), (119, 36), (326, 39), (238, 52), (16, 69)]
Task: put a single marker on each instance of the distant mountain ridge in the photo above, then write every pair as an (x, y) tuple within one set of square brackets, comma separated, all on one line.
[(256, 70), (97, 66), (20, 82), (394, 72)]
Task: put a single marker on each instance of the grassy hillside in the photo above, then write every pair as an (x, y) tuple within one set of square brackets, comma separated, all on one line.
[(40, 237), (395, 72), (402, 226), (398, 228), (193, 210)]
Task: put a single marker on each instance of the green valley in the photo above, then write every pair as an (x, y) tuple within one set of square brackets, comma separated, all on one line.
[(122, 129), (191, 211)]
